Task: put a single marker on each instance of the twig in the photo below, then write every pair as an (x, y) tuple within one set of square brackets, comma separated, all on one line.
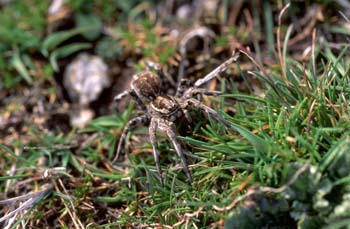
[(76, 221), (22, 197), (187, 217), (55, 147), (33, 197), (203, 32)]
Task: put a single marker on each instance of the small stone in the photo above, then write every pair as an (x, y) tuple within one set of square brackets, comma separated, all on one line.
[(81, 117), (85, 78)]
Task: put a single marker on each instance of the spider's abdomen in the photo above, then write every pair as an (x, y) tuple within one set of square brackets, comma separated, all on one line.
[(167, 107), (146, 85)]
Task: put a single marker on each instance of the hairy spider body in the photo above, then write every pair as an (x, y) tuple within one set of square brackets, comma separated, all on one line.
[(165, 107), (163, 111), (146, 85)]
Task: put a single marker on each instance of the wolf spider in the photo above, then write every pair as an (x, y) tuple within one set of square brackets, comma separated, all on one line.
[(162, 111)]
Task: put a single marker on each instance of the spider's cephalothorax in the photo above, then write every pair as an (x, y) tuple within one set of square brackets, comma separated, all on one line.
[(165, 107), (163, 111)]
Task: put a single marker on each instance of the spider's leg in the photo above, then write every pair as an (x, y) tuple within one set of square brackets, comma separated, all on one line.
[(156, 67), (203, 91), (137, 100), (150, 65), (152, 136), (129, 124), (181, 72), (222, 67), (170, 131), (118, 97), (200, 106), (182, 87), (187, 116), (159, 70), (134, 96), (200, 91)]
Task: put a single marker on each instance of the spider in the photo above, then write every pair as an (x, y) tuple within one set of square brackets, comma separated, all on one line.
[(162, 112)]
